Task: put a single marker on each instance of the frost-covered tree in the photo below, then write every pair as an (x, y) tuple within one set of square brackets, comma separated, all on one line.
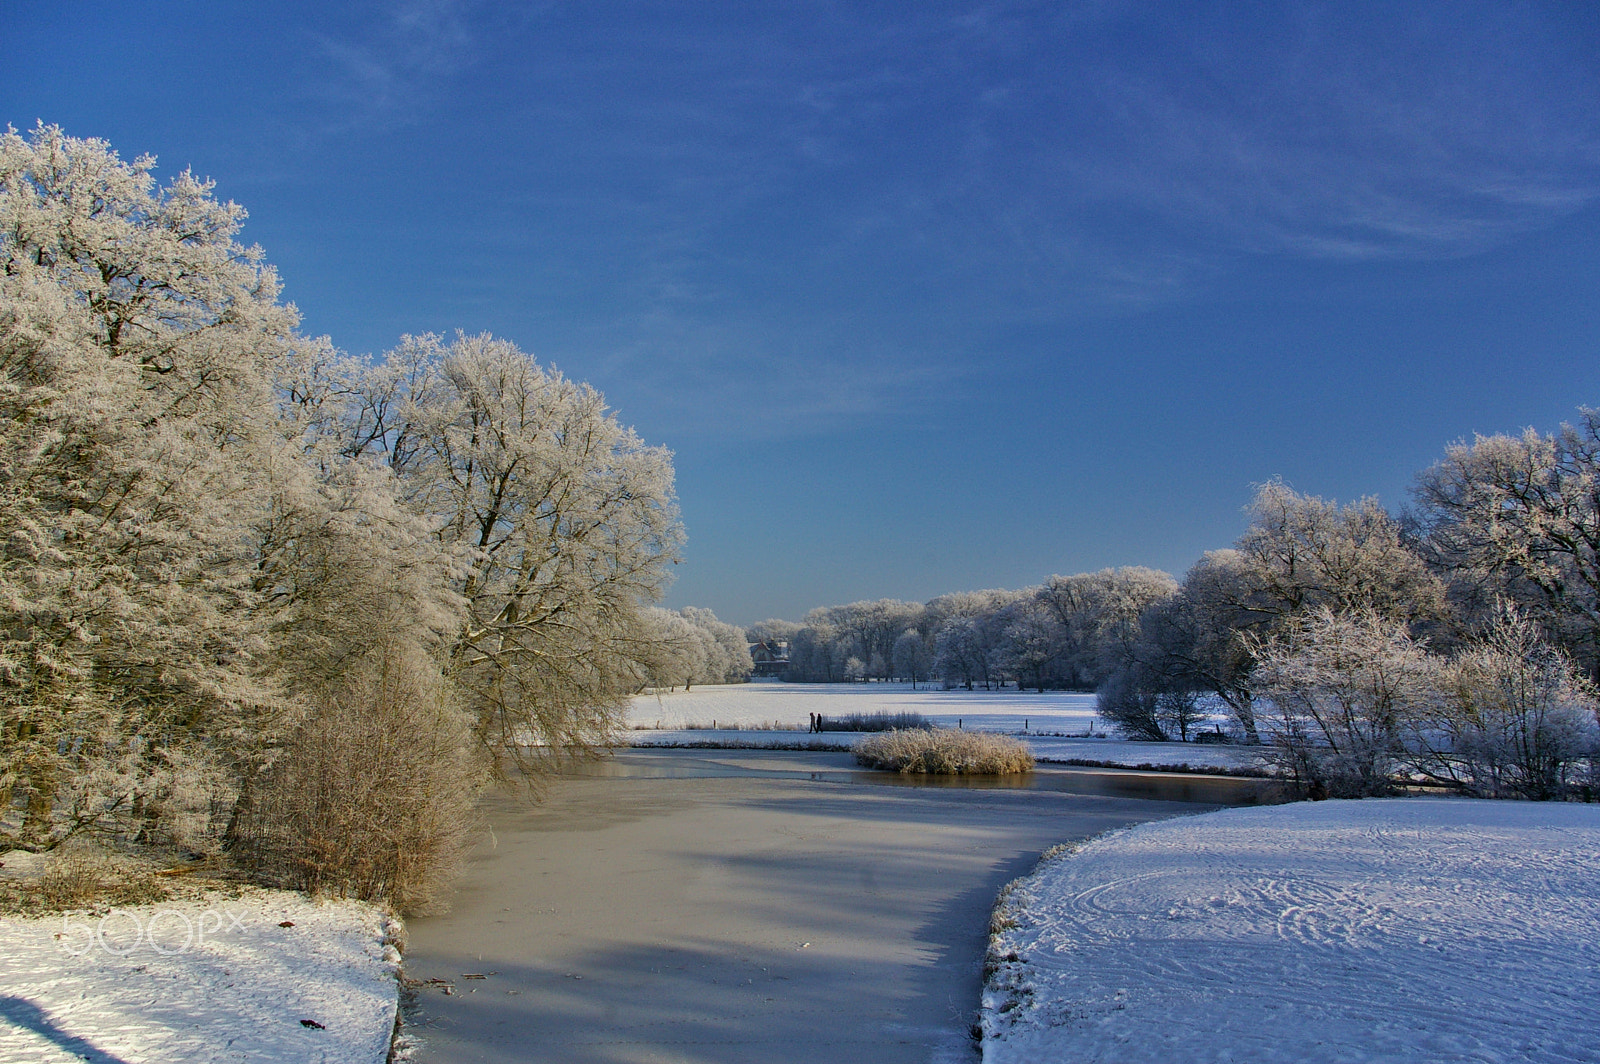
[(1144, 706), (1196, 640), (728, 653), (913, 657), (1518, 518), (1030, 642), (771, 630), (692, 646), (677, 655), (1302, 551), (565, 523), (185, 565), (983, 603), (1299, 554), (814, 655), (875, 626), (1096, 618), (966, 634), (344, 567), (226, 551), (866, 630), (138, 348), (964, 651)]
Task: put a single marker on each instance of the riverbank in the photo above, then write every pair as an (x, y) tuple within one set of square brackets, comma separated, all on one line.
[(658, 871), (1419, 929)]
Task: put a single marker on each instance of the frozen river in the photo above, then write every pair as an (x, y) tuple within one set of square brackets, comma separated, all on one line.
[(700, 906)]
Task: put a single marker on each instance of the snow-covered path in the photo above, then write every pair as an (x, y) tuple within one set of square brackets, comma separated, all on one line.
[(1410, 929), (268, 976)]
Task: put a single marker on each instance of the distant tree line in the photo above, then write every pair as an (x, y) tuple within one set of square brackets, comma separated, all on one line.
[(1457, 643), (1069, 633)]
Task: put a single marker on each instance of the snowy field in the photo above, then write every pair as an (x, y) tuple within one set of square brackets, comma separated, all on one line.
[(766, 703), (265, 977), (1060, 726), (1415, 930)]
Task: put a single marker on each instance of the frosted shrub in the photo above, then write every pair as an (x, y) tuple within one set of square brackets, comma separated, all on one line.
[(1514, 717), (944, 751), (75, 875), (871, 722), (1341, 688), (373, 796), (1352, 698), (1142, 710)]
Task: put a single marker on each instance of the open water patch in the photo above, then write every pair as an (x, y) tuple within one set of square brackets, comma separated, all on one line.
[(840, 768)]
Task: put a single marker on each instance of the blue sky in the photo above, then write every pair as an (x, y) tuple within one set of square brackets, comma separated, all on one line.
[(924, 297)]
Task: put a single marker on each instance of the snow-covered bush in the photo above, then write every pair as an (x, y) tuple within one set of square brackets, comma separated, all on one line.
[(1514, 718), (1352, 698), (1141, 709), (1340, 689)]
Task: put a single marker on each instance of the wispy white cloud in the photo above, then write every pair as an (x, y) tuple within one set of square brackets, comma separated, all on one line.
[(711, 186), (1115, 153), (707, 364), (393, 63), (1380, 136)]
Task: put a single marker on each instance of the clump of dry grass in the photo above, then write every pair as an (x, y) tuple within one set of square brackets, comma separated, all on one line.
[(872, 722), (945, 751), (77, 875)]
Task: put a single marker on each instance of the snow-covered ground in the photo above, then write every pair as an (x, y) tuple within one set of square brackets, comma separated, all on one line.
[(1121, 752), (265, 976), (1060, 726), (765, 703), (1414, 930)]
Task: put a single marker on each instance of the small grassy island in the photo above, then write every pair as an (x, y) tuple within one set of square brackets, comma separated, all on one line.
[(944, 751)]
